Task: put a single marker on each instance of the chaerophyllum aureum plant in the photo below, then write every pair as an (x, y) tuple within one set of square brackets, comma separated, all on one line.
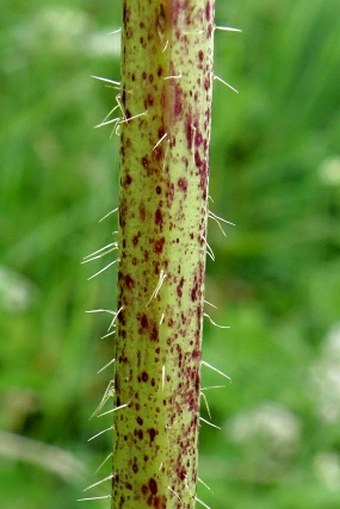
[(164, 99)]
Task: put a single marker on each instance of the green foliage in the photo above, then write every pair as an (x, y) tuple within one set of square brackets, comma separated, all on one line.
[(275, 171)]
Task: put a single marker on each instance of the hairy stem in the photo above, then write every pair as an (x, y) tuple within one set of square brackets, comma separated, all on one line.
[(165, 99)]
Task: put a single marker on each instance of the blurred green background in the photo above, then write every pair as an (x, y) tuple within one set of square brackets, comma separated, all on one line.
[(275, 172)]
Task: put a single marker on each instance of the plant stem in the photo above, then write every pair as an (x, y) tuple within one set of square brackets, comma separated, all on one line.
[(167, 59)]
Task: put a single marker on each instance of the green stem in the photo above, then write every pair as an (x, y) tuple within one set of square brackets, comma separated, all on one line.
[(167, 59)]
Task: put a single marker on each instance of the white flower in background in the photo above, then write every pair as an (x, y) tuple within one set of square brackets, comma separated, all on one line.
[(103, 44), (271, 425), (17, 293), (325, 377), (54, 28), (63, 30), (329, 171), (331, 343), (327, 468)]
